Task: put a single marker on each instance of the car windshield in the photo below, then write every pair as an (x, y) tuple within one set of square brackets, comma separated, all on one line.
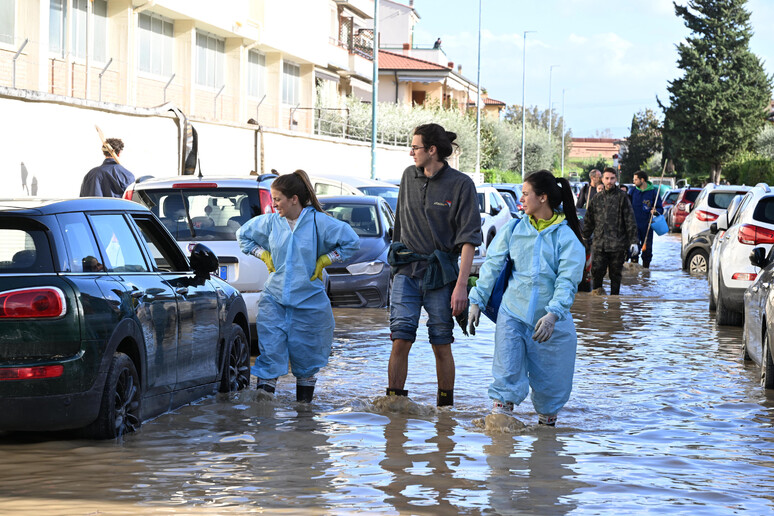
[(361, 217), (215, 214), (388, 193), (510, 201), (691, 195), (721, 200), (23, 249)]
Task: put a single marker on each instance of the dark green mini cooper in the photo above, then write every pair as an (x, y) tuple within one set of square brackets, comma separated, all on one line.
[(104, 322)]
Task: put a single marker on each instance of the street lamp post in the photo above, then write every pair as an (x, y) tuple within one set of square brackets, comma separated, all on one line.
[(375, 89), (478, 98), (550, 113), (562, 132), (523, 96)]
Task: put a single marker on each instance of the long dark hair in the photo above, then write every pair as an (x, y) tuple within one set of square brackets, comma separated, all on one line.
[(558, 191), (297, 183), (434, 134)]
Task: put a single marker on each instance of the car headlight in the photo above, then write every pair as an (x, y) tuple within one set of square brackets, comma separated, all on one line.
[(366, 268)]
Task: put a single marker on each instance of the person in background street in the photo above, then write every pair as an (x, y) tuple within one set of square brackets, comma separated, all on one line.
[(609, 222), (589, 190), (535, 336), (295, 321), (109, 179), (646, 202), (437, 226)]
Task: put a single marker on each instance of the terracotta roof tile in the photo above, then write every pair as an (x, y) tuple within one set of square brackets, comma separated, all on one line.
[(488, 102), (392, 61)]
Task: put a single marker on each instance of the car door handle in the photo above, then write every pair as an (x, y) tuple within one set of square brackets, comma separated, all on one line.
[(181, 291)]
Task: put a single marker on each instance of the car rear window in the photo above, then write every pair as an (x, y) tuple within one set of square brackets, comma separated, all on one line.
[(691, 195), (721, 200), (24, 249), (216, 214), (387, 193), (764, 211), (671, 197), (361, 217)]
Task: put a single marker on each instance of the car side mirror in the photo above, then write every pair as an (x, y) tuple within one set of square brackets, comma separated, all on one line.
[(722, 222), (714, 228), (203, 260), (758, 257), (495, 210)]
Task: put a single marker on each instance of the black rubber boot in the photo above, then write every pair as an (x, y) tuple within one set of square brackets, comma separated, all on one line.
[(304, 393), (396, 392), (445, 398), (266, 387)]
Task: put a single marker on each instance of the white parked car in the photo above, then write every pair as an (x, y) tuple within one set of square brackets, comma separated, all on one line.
[(494, 215), (711, 202), (730, 270)]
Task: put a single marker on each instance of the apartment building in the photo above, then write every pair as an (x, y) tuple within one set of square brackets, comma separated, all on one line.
[(223, 61)]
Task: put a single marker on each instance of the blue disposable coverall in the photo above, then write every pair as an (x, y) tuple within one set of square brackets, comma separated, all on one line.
[(547, 267), (295, 320)]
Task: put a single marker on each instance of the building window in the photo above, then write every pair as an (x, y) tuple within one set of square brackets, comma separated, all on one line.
[(210, 59), (58, 22), (156, 38), (256, 74), (7, 17), (291, 82)]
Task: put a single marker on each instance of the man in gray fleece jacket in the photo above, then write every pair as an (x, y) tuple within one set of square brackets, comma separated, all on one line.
[(437, 210)]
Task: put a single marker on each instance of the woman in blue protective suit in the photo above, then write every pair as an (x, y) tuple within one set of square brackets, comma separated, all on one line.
[(295, 320), (535, 337)]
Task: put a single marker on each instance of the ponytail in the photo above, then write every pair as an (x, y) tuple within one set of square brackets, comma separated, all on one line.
[(298, 184), (559, 192)]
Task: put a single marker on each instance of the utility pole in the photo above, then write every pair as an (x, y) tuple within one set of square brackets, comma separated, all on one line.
[(550, 114), (478, 97), (374, 89), (562, 132)]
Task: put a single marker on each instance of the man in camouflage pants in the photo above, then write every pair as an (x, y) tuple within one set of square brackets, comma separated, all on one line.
[(610, 220)]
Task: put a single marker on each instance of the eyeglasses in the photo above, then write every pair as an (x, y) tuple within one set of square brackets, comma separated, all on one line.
[(417, 147)]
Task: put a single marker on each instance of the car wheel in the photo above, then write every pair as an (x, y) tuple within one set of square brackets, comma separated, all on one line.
[(712, 306), (697, 262), (489, 238), (236, 366), (119, 411), (724, 316), (767, 364)]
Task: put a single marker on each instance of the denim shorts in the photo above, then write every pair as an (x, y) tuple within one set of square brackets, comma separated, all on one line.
[(407, 302)]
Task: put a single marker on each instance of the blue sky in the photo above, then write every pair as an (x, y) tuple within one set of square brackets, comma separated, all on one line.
[(614, 56)]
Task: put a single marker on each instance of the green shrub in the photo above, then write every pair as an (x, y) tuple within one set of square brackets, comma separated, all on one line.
[(749, 169)]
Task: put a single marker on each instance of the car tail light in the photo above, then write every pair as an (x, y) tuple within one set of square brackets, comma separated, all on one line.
[(32, 303), (744, 276), (129, 192), (754, 235), (706, 216), (266, 201), (31, 373)]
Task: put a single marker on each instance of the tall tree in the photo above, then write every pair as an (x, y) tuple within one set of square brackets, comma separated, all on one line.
[(644, 142), (719, 105)]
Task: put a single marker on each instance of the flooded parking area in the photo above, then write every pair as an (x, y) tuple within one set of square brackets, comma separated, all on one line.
[(664, 417)]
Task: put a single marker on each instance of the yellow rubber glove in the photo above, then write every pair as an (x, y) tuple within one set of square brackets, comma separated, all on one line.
[(266, 258), (322, 262)]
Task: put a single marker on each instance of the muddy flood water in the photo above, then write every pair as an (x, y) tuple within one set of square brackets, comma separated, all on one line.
[(664, 417)]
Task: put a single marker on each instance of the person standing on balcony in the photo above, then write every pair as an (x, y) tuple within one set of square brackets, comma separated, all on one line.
[(295, 321), (646, 203), (610, 220), (437, 226), (109, 179), (437, 44)]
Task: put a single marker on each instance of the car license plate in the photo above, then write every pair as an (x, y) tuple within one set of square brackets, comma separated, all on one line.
[(223, 272)]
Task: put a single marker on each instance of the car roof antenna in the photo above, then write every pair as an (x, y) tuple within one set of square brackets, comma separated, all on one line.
[(198, 160)]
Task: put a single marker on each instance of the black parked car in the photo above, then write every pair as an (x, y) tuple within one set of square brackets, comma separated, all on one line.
[(104, 323), (696, 254), (364, 280)]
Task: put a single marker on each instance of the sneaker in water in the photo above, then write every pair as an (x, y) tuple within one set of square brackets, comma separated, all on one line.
[(599, 291), (501, 407), (546, 420)]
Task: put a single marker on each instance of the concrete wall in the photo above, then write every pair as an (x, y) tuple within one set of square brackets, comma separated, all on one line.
[(56, 142)]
